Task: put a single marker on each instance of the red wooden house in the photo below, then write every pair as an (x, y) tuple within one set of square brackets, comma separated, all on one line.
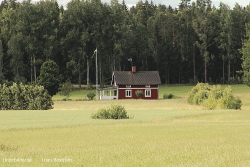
[(125, 84)]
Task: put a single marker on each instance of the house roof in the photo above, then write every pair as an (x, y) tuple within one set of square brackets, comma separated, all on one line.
[(137, 78)]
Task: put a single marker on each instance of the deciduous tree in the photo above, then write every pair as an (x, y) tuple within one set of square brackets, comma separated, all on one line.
[(49, 77)]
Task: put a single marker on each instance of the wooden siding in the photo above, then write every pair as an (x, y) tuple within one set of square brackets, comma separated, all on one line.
[(122, 91)]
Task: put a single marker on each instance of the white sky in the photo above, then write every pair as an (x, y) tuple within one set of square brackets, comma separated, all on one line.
[(173, 3)]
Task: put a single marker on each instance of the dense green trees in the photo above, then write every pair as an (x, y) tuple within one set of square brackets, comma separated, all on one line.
[(24, 97), (246, 57), (49, 77), (196, 42)]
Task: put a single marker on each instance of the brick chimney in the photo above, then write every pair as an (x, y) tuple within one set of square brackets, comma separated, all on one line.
[(133, 69)]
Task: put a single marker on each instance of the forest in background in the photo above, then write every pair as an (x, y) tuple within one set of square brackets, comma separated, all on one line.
[(196, 42)]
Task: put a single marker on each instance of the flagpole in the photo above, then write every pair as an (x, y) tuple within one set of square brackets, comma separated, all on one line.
[(96, 74)]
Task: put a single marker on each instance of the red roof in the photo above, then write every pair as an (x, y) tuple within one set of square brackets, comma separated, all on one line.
[(137, 78)]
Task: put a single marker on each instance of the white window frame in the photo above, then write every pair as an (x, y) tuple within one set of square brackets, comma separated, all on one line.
[(147, 93), (147, 86), (128, 93), (128, 86)]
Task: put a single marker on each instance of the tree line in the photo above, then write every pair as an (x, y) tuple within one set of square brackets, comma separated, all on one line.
[(196, 42)]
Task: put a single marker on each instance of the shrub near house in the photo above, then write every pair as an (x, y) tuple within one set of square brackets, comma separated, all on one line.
[(139, 94)]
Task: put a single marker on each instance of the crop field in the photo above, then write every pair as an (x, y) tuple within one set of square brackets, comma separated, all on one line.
[(164, 132)]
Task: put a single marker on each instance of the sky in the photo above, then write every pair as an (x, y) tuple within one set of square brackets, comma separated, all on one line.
[(173, 3)]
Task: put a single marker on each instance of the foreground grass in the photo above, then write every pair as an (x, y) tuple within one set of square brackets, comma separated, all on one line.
[(173, 138), (161, 133), (74, 113)]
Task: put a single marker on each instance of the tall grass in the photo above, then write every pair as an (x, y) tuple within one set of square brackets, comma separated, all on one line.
[(161, 133), (175, 138), (70, 113)]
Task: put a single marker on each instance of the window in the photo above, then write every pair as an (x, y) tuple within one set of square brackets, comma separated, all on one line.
[(147, 86), (147, 93), (128, 93), (128, 86)]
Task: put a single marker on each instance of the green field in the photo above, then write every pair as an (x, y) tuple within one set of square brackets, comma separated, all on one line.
[(160, 133)]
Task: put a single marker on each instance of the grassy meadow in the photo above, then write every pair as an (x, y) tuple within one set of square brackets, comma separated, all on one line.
[(161, 133)]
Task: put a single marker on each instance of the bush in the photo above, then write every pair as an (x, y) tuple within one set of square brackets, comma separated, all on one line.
[(198, 93), (112, 112), (228, 101), (40, 99), (235, 80), (237, 103), (212, 96), (102, 113), (24, 97), (91, 95), (139, 93), (200, 96), (168, 96), (66, 89)]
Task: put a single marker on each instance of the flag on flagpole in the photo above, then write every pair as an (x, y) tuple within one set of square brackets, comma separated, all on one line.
[(94, 53)]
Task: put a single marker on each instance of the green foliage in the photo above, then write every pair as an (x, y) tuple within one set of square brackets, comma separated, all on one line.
[(139, 93), (49, 77), (246, 57), (18, 79), (112, 112), (66, 89), (212, 96), (91, 95), (197, 40), (2, 79), (198, 93), (101, 114), (24, 97), (5, 98), (235, 80), (168, 96), (228, 101), (90, 86), (193, 80), (1, 62)]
